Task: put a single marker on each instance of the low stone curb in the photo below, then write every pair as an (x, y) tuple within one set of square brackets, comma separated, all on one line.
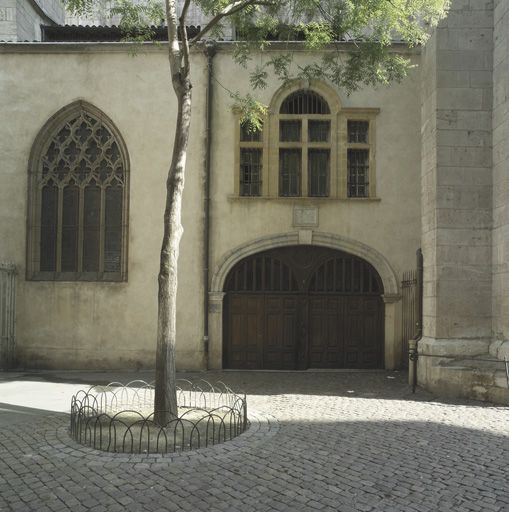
[(261, 428)]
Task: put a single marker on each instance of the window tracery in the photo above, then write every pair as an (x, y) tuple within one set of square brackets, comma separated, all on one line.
[(78, 226)]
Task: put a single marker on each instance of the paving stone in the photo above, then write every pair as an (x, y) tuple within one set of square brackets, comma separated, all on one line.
[(311, 446)]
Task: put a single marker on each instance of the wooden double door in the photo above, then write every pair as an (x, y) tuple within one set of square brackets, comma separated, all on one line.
[(303, 307)]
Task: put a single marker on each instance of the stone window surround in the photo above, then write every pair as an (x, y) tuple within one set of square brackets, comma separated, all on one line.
[(39, 146), (269, 144)]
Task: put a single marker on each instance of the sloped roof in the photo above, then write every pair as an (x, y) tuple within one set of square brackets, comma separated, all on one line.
[(98, 33)]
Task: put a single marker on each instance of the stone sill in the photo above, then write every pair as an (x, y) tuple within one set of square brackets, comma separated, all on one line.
[(234, 198)]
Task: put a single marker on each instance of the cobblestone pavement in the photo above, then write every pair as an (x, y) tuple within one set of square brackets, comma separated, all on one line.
[(318, 441)]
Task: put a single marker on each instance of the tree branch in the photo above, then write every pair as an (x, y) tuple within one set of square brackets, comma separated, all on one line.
[(184, 39), (229, 10), (185, 44), (174, 55)]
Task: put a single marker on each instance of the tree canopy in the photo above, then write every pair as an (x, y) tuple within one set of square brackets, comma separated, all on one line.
[(355, 37)]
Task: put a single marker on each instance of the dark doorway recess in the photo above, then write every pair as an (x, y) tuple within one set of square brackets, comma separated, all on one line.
[(302, 307)]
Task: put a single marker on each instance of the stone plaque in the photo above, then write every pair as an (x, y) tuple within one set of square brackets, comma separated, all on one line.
[(305, 216)]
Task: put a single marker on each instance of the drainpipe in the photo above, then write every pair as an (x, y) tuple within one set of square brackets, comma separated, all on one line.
[(210, 51), (413, 354)]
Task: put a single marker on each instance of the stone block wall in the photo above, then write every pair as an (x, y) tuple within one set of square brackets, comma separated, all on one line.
[(54, 9), (8, 31), (456, 178), (28, 22), (20, 20), (465, 207), (500, 346)]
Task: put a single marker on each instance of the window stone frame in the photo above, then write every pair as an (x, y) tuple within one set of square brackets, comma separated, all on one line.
[(358, 114), (39, 147), (338, 172), (275, 117)]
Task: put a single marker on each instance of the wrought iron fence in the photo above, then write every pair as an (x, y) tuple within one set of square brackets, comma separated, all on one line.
[(121, 418), (7, 314), (410, 305)]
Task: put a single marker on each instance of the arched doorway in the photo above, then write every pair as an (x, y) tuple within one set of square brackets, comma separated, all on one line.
[(303, 307)]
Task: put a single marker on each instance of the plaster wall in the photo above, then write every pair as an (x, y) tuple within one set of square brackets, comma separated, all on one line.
[(112, 325), (102, 325), (389, 224)]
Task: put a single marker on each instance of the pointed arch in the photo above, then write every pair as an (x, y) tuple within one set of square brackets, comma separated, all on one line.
[(78, 185)]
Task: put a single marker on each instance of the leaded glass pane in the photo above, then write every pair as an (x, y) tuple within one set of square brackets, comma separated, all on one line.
[(358, 172), (318, 172), (49, 222), (358, 132), (70, 215), (304, 102), (91, 229), (250, 171), (83, 171), (289, 131), (318, 131), (289, 172), (113, 229)]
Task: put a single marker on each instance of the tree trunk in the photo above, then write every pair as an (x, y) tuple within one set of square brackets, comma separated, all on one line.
[(165, 404)]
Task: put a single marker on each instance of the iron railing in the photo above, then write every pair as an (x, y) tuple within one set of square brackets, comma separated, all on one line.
[(410, 305), (121, 418)]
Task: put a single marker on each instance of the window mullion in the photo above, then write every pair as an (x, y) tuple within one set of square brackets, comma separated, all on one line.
[(102, 229), (60, 210), (304, 178), (81, 220)]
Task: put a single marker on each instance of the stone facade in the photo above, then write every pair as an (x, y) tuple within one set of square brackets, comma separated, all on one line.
[(455, 203), (462, 201), (500, 237), (113, 324)]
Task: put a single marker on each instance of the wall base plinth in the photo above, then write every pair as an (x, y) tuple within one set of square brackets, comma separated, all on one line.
[(462, 369)]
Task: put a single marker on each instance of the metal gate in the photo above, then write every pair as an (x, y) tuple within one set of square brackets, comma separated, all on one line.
[(7, 314), (411, 291)]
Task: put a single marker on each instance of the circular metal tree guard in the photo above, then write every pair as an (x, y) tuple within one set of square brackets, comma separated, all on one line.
[(120, 418)]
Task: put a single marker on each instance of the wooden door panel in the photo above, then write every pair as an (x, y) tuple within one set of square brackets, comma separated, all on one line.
[(281, 334), (345, 331), (245, 332), (325, 338), (262, 332), (364, 333)]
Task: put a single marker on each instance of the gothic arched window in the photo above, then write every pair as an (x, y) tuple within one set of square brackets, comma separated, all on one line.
[(78, 199)]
